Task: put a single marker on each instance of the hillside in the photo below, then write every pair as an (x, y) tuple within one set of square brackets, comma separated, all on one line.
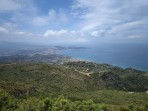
[(112, 77), (40, 77), (78, 81), (21, 79)]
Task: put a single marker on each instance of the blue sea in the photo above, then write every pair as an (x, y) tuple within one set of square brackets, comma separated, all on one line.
[(122, 55)]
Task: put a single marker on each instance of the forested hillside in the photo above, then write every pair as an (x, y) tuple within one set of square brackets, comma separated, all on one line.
[(83, 86)]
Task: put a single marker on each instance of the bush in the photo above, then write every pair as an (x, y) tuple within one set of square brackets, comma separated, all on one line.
[(7, 102)]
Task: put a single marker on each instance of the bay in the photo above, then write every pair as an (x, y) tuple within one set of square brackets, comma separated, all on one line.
[(125, 56)]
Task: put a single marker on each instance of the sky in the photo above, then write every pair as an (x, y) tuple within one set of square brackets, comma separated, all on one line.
[(74, 21)]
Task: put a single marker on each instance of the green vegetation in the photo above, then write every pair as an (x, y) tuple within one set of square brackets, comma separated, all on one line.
[(82, 86), (60, 103), (112, 77), (22, 80)]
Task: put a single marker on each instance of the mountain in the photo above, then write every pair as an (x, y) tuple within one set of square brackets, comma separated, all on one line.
[(112, 77), (19, 78), (26, 85)]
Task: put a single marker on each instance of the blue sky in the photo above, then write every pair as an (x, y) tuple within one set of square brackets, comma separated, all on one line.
[(74, 21)]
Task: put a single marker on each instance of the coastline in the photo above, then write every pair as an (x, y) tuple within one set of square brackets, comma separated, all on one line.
[(74, 59), (120, 60)]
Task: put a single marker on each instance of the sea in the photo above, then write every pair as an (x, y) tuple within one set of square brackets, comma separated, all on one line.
[(122, 55)]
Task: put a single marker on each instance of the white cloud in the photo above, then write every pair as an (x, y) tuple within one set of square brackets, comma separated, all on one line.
[(87, 20), (132, 30), (114, 18), (65, 36), (134, 37), (78, 40), (45, 20), (3, 30), (127, 26), (64, 33), (52, 33), (22, 33), (52, 14), (10, 30), (13, 5), (17, 11), (97, 33), (40, 21), (6, 5), (53, 17)]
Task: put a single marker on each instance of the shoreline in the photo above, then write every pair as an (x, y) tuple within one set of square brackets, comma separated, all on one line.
[(73, 59)]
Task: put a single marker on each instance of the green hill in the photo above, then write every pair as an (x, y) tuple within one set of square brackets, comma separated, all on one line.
[(83, 83), (23, 79), (112, 77)]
